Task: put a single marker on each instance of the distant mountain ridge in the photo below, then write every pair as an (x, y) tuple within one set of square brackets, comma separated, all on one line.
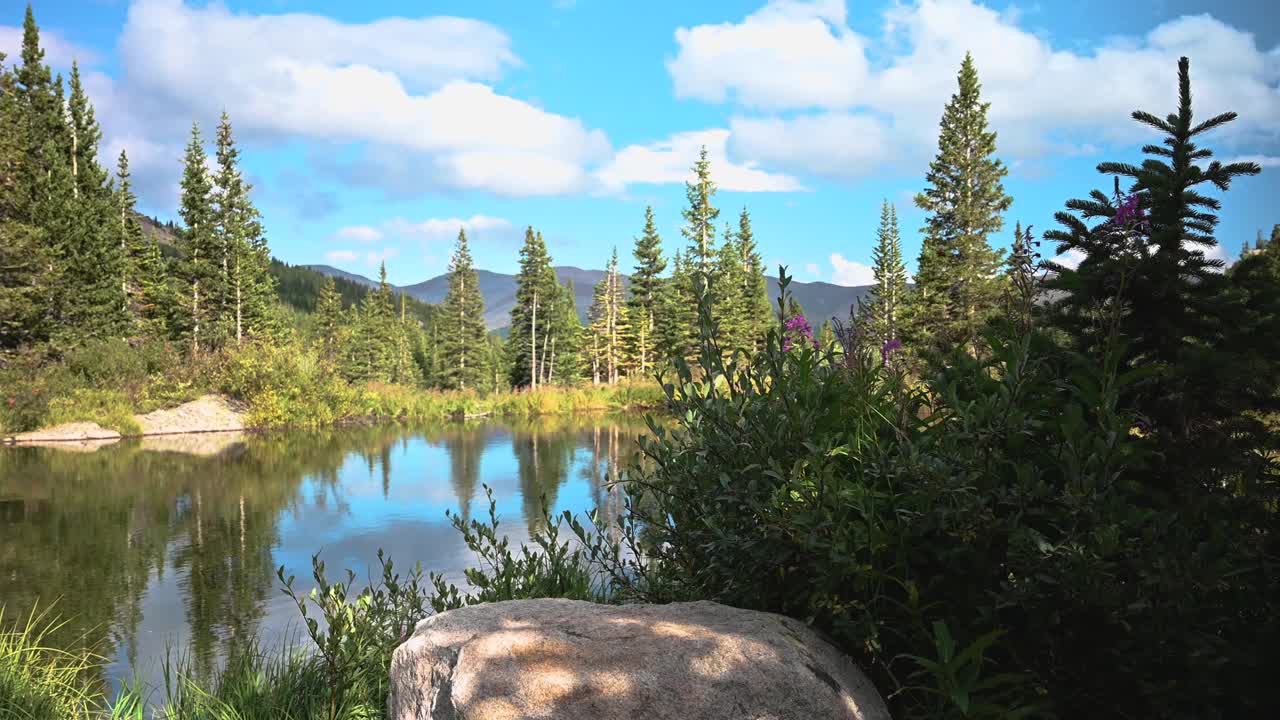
[(820, 300)]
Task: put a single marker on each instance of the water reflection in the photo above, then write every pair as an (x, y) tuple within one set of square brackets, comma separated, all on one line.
[(148, 545)]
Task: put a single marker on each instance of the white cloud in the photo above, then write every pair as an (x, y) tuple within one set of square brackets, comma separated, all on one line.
[(59, 52), (671, 160), (788, 54), (850, 273), (813, 269), (409, 92), (374, 257), (359, 233), (835, 144), (446, 230), (342, 256), (371, 258), (1265, 161), (801, 56)]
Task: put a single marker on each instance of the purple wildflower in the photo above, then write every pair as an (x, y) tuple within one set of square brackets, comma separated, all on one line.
[(889, 347), (797, 327), (1128, 211)]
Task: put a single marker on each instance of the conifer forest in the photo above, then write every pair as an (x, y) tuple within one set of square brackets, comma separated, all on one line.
[(1031, 471)]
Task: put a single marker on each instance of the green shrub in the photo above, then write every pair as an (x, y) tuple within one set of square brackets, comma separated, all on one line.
[(986, 543)]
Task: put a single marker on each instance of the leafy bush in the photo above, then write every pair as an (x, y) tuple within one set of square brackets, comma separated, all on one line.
[(987, 543)]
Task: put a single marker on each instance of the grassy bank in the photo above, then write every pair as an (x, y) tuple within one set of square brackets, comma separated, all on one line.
[(284, 384), (337, 672)]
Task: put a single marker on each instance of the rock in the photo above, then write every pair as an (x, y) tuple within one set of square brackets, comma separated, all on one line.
[(78, 432), (211, 413), (573, 660)]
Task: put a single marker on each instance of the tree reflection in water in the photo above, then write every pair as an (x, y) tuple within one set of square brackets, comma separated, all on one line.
[(117, 535)]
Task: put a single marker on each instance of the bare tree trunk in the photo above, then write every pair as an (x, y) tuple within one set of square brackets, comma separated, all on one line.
[(542, 370), (533, 343), (462, 323), (551, 368), (239, 308)]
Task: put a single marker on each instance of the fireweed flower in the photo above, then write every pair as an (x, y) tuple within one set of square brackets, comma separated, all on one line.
[(1128, 211), (797, 328)]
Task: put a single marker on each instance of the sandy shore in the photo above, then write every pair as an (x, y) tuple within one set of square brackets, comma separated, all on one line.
[(208, 414)]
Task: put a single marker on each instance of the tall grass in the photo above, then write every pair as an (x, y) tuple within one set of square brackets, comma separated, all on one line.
[(279, 385), (340, 671), (41, 682)]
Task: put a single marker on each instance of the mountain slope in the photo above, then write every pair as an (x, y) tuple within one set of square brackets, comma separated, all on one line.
[(821, 301)]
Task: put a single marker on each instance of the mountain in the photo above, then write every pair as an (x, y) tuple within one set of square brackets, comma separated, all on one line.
[(499, 291), (334, 272), (821, 301)]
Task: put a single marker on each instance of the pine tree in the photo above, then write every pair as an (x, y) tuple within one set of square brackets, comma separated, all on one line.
[(728, 310), (197, 272), (247, 287), (890, 277), (329, 318), (377, 344), (700, 221), (536, 291), (91, 177), (957, 283), (566, 367), (609, 326), (1259, 244), (25, 278), (92, 262), (1146, 268), (678, 316), (404, 370), (47, 136), (754, 295), (133, 247), (647, 289), (464, 346)]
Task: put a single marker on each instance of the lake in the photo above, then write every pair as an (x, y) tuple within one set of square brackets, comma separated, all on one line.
[(173, 542)]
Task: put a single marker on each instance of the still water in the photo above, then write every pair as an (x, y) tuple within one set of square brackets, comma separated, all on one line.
[(174, 542)]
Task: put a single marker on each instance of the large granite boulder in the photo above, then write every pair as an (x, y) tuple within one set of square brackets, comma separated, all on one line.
[(573, 660)]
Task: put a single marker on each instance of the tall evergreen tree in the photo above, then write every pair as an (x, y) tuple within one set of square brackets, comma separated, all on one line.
[(647, 289), (47, 136), (377, 344), (248, 289), (609, 326), (754, 295), (92, 263), (729, 311), (536, 292), (890, 277), (91, 177), (678, 311), (700, 219), (329, 318), (198, 271), (1146, 268), (25, 263), (464, 346), (957, 283), (142, 270), (565, 366)]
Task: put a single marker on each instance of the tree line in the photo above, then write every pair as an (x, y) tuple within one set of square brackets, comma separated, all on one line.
[(76, 265)]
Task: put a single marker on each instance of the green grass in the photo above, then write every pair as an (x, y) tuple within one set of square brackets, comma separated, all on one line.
[(280, 385), (40, 682)]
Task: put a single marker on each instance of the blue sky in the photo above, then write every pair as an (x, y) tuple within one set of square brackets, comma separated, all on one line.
[(373, 130)]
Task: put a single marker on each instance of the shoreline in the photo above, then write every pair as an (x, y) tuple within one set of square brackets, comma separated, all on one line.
[(215, 413)]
